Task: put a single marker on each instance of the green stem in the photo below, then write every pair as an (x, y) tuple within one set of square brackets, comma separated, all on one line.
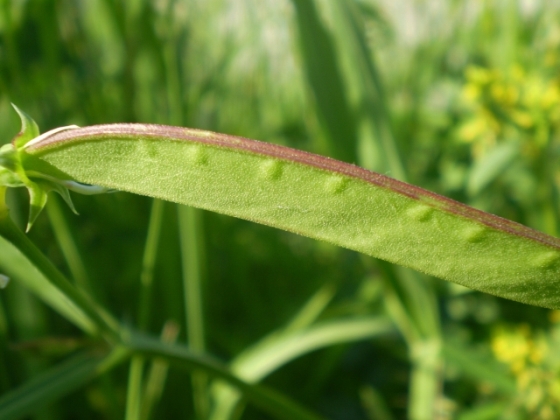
[(192, 246), (134, 389), (134, 401), (68, 245), (148, 262), (157, 373), (425, 379)]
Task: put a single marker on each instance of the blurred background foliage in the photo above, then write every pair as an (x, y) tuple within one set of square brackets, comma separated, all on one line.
[(460, 97)]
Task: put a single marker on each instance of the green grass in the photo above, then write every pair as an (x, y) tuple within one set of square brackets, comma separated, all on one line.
[(337, 78)]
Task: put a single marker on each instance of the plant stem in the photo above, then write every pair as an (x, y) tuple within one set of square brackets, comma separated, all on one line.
[(148, 262), (68, 245), (134, 389), (192, 246), (134, 399), (157, 373)]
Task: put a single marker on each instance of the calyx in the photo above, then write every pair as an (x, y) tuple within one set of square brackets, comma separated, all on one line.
[(13, 174)]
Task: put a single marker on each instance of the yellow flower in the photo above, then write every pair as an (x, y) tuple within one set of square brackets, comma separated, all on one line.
[(478, 75), (522, 118), (522, 104), (471, 92), (550, 97)]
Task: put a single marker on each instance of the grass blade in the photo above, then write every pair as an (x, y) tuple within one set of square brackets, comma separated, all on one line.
[(55, 383), (20, 269), (377, 147), (280, 348), (325, 79), (23, 246), (491, 166), (268, 400), (474, 366)]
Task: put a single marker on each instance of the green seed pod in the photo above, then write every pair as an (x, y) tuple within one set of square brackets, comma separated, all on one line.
[(313, 196)]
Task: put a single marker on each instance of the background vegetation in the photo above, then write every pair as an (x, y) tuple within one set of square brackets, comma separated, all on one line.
[(460, 97)]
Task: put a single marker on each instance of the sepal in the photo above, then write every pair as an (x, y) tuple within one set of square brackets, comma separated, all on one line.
[(49, 186), (38, 195), (14, 174), (9, 179), (9, 157), (29, 129), (37, 202)]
